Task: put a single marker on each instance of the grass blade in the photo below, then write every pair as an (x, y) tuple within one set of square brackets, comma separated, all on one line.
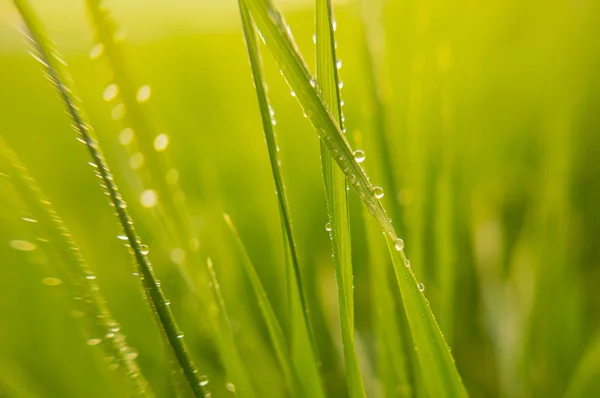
[(275, 331), (226, 341), (337, 195), (304, 351), (585, 382), (102, 329), (52, 61), (439, 370)]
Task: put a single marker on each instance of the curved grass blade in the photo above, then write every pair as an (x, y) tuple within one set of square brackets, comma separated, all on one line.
[(337, 195), (49, 57), (585, 381), (438, 367), (226, 341), (88, 301), (438, 370), (304, 351), (275, 331)]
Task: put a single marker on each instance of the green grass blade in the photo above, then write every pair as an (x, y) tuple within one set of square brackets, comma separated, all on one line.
[(49, 57), (226, 341), (100, 325), (337, 195), (304, 352), (585, 381), (278, 38), (438, 369), (273, 326)]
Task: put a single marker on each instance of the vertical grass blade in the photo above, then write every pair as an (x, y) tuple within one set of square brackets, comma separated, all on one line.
[(49, 57), (226, 341), (274, 328), (439, 370), (304, 351), (336, 194), (100, 326)]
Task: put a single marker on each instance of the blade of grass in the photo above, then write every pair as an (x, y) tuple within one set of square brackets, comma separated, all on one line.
[(50, 58), (87, 298), (337, 196), (226, 341), (439, 370), (304, 350), (274, 328), (585, 382)]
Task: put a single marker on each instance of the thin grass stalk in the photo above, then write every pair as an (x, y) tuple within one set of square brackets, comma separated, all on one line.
[(101, 327), (337, 195), (49, 57), (295, 285)]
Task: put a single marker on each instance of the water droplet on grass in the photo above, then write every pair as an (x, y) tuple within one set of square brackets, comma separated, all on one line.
[(338, 64), (407, 263), (149, 198), (293, 93), (22, 245), (378, 192), (359, 156), (399, 245), (93, 342), (161, 142), (122, 237), (230, 387), (90, 277), (143, 94), (421, 286), (145, 250), (110, 92), (328, 227), (180, 336), (203, 380)]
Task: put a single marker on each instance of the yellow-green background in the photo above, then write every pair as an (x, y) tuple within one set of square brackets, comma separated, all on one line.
[(490, 106)]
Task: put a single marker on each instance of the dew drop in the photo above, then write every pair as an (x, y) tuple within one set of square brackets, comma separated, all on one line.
[(338, 64), (96, 51), (421, 286), (143, 94), (149, 198), (51, 281), (90, 277), (94, 342), (328, 227), (313, 82), (399, 245), (407, 263), (131, 355), (22, 245), (144, 249), (230, 387), (180, 336), (314, 38), (293, 93), (126, 136), (341, 84), (110, 92), (177, 255), (359, 156), (26, 219), (118, 111), (378, 192), (136, 160), (161, 142), (122, 237), (203, 380)]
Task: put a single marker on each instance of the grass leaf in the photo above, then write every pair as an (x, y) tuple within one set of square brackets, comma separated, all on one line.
[(80, 281), (336, 195), (50, 58), (304, 351), (585, 381)]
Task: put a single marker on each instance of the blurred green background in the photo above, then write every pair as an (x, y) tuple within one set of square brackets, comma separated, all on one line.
[(491, 112)]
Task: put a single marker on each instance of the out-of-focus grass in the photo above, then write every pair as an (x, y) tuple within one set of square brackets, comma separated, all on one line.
[(491, 121)]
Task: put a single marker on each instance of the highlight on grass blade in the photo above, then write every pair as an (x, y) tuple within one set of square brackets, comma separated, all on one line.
[(49, 57)]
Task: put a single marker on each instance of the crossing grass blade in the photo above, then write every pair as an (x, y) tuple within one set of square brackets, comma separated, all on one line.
[(88, 301), (304, 350), (226, 341), (336, 195), (278, 339), (49, 57), (439, 370)]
